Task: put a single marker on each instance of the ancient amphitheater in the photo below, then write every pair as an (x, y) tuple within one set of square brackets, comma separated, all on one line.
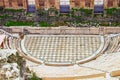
[(68, 54)]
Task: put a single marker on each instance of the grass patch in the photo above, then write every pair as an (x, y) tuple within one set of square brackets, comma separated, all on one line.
[(13, 10), (18, 23), (44, 24), (4, 16)]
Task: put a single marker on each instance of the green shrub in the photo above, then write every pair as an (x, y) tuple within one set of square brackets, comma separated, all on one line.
[(53, 10), (110, 11), (34, 77), (87, 12)]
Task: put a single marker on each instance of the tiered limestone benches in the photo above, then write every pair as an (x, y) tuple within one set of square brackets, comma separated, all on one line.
[(107, 66), (68, 50), (5, 33), (6, 43), (107, 62), (100, 67), (10, 40), (114, 43), (62, 49), (13, 42)]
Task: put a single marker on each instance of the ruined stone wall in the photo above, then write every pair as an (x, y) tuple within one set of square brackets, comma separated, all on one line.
[(89, 4), (15, 4)]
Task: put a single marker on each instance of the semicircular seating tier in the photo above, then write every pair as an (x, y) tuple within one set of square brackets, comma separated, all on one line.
[(100, 54)]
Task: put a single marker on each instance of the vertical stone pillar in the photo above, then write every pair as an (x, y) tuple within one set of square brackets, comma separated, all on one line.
[(92, 4), (46, 4), (6, 3), (14, 4), (57, 4), (82, 3), (24, 4), (105, 4), (37, 4), (115, 3), (3, 3), (72, 4)]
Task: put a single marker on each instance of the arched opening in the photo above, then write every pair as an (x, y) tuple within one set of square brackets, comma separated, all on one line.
[(52, 3), (41, 3), (31, 6), (110, 3), (64, 6), (98, 6), (20, 3), (77, 3), (87, 3)]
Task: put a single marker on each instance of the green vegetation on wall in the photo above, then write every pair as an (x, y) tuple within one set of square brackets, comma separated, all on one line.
[(112, 11), (86, 12), (52, 17)]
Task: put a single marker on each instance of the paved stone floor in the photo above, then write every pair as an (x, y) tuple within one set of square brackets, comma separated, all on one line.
[(62, 48)]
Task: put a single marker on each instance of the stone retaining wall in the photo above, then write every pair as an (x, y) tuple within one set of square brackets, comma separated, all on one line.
[(63, 30)]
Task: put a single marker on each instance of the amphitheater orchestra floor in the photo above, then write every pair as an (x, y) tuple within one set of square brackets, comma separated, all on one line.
[(61, 48)]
